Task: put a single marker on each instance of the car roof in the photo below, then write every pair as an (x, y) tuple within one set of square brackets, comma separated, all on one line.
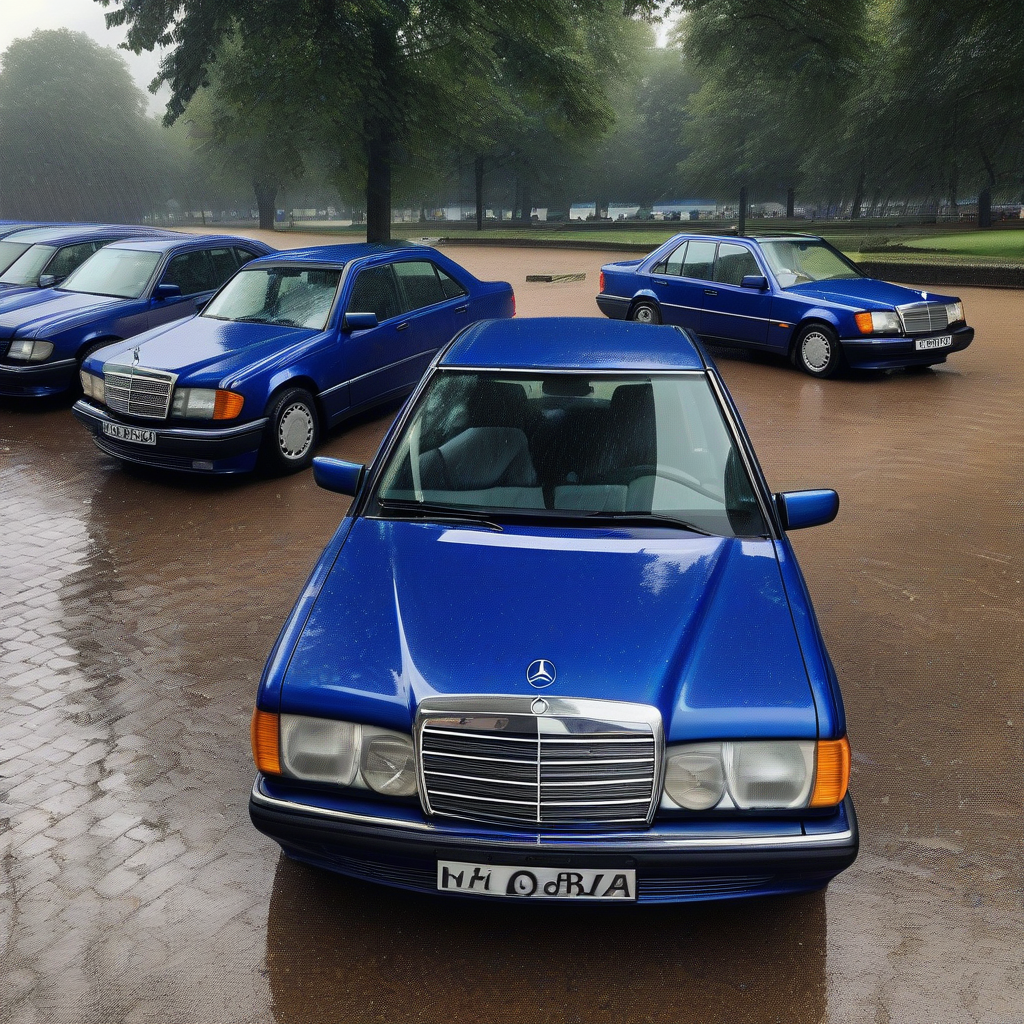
[(343, 253), (563, 342), (69, 233), (165, 242)]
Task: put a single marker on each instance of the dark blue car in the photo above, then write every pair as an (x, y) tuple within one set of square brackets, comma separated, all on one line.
[(292, 345), (560, 646), (44, 256), (125, 288), (795, 295)]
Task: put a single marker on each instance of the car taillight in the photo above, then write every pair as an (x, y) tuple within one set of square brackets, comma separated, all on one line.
[(513, 303), (601, 282)]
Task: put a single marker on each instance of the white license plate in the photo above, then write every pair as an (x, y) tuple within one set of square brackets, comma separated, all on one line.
[(535, 882), (942, 341), (134, 434)]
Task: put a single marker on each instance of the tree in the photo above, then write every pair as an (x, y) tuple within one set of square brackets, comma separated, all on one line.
[(376, 73), (74, 139)]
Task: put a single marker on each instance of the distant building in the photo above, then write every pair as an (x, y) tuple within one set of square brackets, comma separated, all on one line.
[(685, 209), (582, 211), (623, 211)]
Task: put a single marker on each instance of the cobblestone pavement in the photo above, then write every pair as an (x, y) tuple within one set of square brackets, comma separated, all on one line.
[(135, 614)]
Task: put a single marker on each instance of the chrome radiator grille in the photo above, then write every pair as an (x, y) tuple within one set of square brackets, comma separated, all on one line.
[(138, 391), (923, 317), (576, 762)]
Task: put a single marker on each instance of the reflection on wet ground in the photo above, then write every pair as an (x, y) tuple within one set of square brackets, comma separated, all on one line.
[(135, 614)]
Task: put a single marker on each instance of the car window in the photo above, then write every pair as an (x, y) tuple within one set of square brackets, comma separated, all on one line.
[(291, 295), (699, 260), (123, 273), (374, 291), (224, 263), (734, 263), (70, 257), (672, 264), (243, 256), (9, 252), (27, 267), (451, 288), (192, 272), (419, 284)]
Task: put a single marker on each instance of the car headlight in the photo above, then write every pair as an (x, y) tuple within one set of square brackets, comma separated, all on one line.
[(881, 321), (955, 312), (340, 753), (757, 774), (92, 385), (30, 350), (206, 404)]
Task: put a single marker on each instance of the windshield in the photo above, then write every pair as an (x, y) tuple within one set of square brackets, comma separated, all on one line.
[(574, 446), (798, 261), (121, 273), (291, 296), (28, 266), (9, 252)]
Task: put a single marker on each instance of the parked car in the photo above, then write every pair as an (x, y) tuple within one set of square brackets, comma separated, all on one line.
[(49, 254), (124, 289), (791, 294), (559, 646), (292, 345)]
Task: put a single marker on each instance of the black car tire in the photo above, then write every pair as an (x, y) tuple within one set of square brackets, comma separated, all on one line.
[(645, 312), (292, 432), (817, 351)]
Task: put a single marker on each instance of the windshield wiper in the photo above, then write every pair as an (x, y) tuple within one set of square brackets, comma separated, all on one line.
[(448, 513), (642, 518)]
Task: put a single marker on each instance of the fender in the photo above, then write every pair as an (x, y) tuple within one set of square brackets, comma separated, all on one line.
[(645, 293), (819, 313)]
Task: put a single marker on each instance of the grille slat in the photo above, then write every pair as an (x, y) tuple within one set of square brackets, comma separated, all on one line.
[(138, 391), (472, 769), (924, 317)]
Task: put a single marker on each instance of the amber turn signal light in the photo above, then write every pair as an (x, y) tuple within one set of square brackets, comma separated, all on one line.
[(266, 746), (227, 405), (832, 773), (864, 322)]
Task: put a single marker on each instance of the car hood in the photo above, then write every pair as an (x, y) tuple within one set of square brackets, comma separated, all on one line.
[(865, 292), (201, 346), (699, 627), (41, 311)]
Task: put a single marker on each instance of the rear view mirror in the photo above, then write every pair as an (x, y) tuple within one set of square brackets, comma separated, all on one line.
[(47, 280), (358, 321), (798, 509), (167, 291), (337, 475), (755, 281)]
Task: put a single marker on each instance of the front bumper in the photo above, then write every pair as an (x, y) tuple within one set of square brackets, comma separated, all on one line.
[(675, 861), (37, 380), (868, 353), (189, 449)]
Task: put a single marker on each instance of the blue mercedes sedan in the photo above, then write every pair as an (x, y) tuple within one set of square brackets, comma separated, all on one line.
[(125, 288), (794, 295), (294, 344), (559, 646)]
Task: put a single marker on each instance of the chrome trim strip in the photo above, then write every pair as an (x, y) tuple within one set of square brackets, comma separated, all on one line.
[(57, 364), (716, 312), (560, 841), (183, 433), (381, 369)]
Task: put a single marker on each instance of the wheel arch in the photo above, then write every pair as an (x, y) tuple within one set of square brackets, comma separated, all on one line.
[(95, 341), (644, 295), (813, 317), (296, 380)]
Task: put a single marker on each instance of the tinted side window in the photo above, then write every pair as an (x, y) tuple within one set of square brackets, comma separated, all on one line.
[(243, 256), (374, 292), (734, 263), (674, 264), (224, 264), (699, 260), (192, 272), (71, 257), (451, 288), (419, 284)]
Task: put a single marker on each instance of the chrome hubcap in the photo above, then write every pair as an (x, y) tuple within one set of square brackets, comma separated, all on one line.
[(816, 350), (643, 314), (295, 431)]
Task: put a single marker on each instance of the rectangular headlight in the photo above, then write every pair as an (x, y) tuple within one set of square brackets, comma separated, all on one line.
[(30, 350), (92, 385), (954, 312), (206, 404)]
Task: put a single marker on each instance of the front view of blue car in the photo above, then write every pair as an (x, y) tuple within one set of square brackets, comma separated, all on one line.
[(560, 647)]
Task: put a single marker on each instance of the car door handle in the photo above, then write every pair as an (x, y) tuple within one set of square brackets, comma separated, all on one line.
[(710, 291), (402, 327), (658, 280), (461, 309)]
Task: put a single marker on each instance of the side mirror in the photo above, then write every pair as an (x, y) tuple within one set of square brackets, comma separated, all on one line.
[(167, 291), (798, 509), (359, 321), (755, 281), (47, 280), (337, 475)]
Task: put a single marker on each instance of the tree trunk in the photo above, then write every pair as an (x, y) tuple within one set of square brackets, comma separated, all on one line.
[(526, 211), (478, 182), (266, 194), (985, 207), (378, 184), (858, 198), (790, 203), (741, 228)]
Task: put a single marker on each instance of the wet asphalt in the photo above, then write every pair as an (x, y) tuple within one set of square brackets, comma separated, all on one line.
[(137, 608)]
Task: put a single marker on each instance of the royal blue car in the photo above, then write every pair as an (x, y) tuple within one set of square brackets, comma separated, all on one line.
[(794, 295), (294, 344), (124, 289), (43, 257), (560, 646)]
